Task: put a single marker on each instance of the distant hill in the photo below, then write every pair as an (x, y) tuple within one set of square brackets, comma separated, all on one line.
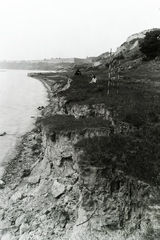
[(35, 65), (103, 56), (46, 64), (98, 61)]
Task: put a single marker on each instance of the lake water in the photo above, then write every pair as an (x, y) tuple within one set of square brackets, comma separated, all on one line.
[(19, 98)]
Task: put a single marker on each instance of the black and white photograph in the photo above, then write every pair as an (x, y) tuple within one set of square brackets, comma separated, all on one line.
[(79, 120)]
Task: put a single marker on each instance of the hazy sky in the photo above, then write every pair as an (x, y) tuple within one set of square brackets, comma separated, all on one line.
[(38, 29)]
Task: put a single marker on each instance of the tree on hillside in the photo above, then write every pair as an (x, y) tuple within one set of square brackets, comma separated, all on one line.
[(150, 46)]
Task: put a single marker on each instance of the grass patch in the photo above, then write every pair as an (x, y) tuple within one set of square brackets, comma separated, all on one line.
[(136, 154), (69, 123)]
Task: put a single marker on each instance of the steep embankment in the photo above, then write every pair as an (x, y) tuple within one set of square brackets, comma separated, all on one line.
[(82, 172), (130, 48), (127, 51)]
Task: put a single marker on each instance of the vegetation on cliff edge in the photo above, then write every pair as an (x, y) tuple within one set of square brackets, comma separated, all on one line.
[(57, 123), (136, 154), (150, 45)]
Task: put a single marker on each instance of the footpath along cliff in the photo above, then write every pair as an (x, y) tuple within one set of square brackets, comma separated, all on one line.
[(89, 169)]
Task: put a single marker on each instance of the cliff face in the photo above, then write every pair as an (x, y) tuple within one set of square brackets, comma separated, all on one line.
[(108, 204), (58, 194), (111, 205)]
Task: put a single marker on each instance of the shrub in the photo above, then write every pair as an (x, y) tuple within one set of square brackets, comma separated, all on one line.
[(150, 46)]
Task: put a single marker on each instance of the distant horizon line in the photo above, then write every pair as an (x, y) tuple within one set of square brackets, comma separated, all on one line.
[(46, 59)]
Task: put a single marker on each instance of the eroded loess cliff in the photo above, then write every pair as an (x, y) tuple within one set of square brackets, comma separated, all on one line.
[(71, 180)]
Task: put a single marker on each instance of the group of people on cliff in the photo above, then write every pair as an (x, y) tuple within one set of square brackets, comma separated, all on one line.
[(94, 78)]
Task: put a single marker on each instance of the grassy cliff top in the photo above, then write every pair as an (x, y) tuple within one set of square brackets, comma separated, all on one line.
[(134, 101)]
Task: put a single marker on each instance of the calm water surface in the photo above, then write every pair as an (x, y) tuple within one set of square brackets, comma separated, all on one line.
[(19, 98)]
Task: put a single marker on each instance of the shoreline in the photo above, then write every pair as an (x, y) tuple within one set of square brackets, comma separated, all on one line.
[(16, 165), (46, 85), (21, 140), (10, 155)]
